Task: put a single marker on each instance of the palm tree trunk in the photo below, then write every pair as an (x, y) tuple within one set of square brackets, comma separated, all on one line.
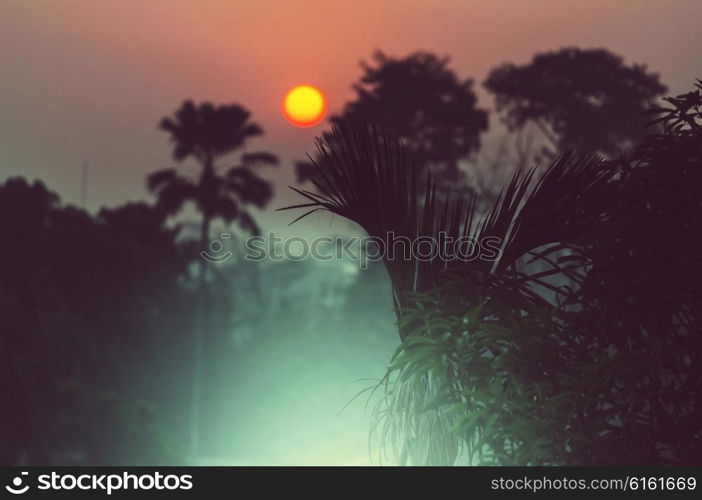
[(198, 347)]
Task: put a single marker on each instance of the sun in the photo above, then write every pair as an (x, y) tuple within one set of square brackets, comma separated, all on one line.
[(304, 106)]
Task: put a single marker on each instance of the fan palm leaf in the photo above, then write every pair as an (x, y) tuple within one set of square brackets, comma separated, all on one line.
[(370, 178)]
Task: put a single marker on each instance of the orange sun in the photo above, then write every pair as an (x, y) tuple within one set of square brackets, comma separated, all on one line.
[(304, 106)]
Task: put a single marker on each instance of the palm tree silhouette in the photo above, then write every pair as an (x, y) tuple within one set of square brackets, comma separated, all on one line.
[(206, 133)]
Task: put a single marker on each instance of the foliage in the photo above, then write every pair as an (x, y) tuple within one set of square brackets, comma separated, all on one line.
[(425, 104), (207, 133), (580, 344), (587, 100), (368, 176), (84, 300), (519, 387)]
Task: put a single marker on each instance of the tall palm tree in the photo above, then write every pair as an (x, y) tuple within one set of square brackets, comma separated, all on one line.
[(207, 133)]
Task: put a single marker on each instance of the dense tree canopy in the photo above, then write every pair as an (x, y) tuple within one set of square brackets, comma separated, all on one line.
[(586, 99), (83, 299), (421, 100)]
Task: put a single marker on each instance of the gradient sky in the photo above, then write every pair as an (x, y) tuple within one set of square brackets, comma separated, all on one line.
[(88, 80)]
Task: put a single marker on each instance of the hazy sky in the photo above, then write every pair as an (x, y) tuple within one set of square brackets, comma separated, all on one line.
[(89, 80)]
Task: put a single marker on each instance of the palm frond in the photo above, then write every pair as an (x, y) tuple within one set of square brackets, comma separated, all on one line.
[(259, 158), (248, 187), (156, 179), (225, 207), (248, 224), (367, 175), (174, 193)]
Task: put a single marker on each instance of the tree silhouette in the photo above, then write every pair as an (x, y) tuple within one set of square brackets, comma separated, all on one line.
[(501, 358), (613, 356), (207, 133), (424, 103), (588, 100), (84, 300)]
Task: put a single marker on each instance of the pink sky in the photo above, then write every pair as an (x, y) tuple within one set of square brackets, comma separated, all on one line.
[(89, 80)]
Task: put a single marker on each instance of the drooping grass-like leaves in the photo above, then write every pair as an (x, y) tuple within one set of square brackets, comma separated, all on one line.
[(499, 358), (429, 408), (367, 176)]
